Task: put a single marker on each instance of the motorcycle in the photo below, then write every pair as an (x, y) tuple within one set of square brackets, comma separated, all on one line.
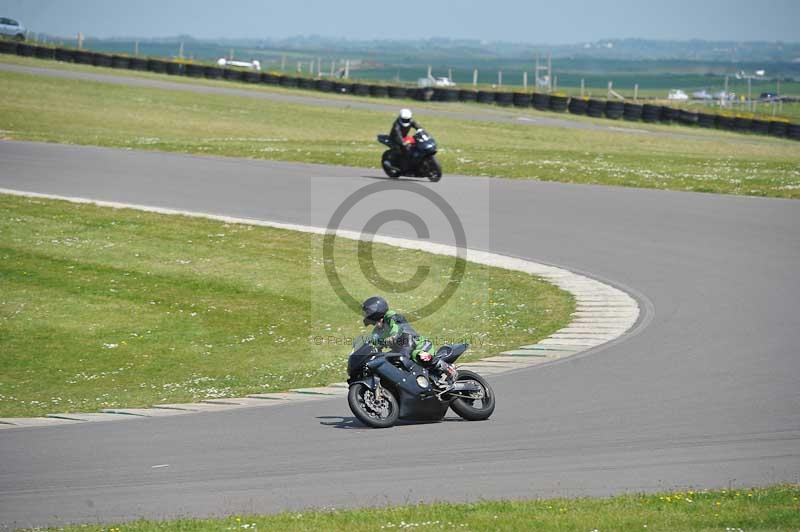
[(420, 161), (385, 387)]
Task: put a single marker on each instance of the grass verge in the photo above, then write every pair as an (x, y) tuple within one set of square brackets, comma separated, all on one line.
[(768, 509), (108, 308), (84, 112)]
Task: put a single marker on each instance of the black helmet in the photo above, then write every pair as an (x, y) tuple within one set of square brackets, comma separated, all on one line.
[(374, 308)]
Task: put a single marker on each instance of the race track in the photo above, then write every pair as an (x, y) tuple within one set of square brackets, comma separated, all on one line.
[(705, 391)]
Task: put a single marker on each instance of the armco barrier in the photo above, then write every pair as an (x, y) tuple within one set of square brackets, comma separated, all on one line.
[(540, 101), (578, 106), (558, 103), (521, 99), (552, 102)]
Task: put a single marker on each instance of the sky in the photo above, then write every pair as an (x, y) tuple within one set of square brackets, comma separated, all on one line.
[(528, 21)]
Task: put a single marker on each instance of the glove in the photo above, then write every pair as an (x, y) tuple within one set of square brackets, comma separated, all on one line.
[(425, 356)]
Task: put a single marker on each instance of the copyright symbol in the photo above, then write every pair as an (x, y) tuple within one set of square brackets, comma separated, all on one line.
[(365, 247)]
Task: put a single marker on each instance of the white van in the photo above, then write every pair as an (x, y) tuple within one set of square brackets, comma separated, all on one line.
[(12, 28)]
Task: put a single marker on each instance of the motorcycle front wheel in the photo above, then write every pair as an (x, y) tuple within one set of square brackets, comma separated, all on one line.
[(479, 405), (379, 414), (431, 169)]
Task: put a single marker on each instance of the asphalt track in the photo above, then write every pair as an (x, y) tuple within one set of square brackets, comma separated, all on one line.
[(705, 391)]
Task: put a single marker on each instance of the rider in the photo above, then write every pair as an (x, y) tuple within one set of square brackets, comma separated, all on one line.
[(393, 331), (401, 128)]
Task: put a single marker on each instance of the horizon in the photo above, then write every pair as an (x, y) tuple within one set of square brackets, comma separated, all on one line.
[(509, 21)]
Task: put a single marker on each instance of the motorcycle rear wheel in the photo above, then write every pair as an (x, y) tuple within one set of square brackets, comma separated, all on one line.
[(360, 398), (467, 408), (388, 165)]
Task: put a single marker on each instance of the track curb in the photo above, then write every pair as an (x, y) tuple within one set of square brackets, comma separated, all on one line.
[(603, 314)]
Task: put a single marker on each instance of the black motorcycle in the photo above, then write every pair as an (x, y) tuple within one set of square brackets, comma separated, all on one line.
[(419, 161), (385, 387)]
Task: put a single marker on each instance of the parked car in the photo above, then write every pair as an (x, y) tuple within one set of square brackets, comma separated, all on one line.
[(769, 97), (677, 94), (12, 28)]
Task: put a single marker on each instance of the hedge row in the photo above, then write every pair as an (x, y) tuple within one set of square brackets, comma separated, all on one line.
[(613, 110)]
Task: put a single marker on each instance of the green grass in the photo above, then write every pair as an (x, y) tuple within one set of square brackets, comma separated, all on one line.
[(775, 508), (82, 112), (103, 308)]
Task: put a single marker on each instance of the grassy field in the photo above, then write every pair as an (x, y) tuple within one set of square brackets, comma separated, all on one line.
[(769, 509), (82, 112), (110, 308)]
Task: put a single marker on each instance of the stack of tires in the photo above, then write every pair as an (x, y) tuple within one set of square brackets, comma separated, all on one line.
[(268, 78), (742, 124), (251, 76), (194, 71), (706, 120), (379, 91), (522, 99), (288, 81), (175, 69), (322, 85), (8, 47), (213, 72), (541, 101), (44, 52), (632, 112), (486, 96), (558, 103), (687, 118), (231, 74), (101, 60), (157, 65), (398, 92), (305, 83), (138, 63), (81, 57), (359, 89), (759, 126), (651, 113), (669, 114), (793, 131), (614, 109), (505, 99), (443, 94), (467, 95), (25, 50), (725, 122), (423, 94), (778, 128), (578, 106), (595, 108)]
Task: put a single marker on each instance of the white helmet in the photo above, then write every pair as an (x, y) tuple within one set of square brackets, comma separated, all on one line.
[(405, 117)]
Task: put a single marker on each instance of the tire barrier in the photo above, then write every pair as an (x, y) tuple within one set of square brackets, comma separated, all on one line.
[(759, 126), (120, 61), (102, 60), (138, 63), (504, 98), (545, 102), (269, 79), (558, 103), (614, 109), (398, 92), (632, 112), (688, 118), (212, 72), (359, 89), (195, 71), (651, 113), (288, 81), (83, 57), (322, 85), (540, 101), (423, 94), (522, 99), (25, 50), (175, 69), (303, 83), (44, 52), (379, 91), (467, 95), (231, 74), (486, 96), (595, 108), (8, 47), (669, 114), (778, 129), (157, 65), (706, 120), (441, 94), (742, 124), (725, 122), (578, 106)]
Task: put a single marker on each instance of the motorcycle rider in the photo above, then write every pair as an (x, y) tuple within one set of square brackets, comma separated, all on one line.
[(401, 128), (392, 330)]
